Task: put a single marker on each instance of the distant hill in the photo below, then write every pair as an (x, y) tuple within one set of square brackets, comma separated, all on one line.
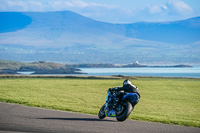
[(178, 32), (65, 36)]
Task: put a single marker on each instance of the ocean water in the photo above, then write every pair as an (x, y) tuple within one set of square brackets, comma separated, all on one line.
[(191, 72)]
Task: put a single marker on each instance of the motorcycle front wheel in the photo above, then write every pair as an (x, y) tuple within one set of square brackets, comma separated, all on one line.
[(122, 116), (102, 114)]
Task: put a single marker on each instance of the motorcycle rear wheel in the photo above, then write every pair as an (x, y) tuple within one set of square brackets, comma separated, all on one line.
[(125, 113), (102, 114)]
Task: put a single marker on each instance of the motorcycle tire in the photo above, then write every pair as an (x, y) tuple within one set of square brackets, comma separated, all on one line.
[(125, 113), (102, 114)]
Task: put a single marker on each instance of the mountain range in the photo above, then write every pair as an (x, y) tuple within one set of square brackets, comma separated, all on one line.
[(65, 36)]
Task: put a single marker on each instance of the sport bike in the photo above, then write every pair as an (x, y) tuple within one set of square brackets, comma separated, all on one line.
[(124, 107)]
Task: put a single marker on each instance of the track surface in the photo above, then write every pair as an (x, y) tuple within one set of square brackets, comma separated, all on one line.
[(17, 118)]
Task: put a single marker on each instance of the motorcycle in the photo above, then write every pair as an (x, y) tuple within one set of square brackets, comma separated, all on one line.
[(124, 106)]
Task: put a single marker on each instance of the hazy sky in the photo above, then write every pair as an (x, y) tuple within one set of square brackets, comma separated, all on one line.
[(113, 11)]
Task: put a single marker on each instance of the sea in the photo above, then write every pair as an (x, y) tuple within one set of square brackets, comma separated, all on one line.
[(188, 72)]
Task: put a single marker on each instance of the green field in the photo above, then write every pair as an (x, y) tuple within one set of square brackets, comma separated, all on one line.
[(171, 101)]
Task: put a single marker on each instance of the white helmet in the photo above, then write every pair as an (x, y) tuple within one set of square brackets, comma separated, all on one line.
[(127, 82)]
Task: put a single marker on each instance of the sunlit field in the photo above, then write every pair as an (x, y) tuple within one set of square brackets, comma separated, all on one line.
[(171, 101)]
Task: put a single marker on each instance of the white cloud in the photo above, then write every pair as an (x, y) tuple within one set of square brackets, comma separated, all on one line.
[(30, 5), (179, 7), (79, 3), (157, 9), (172, 10), (19, 5), (61, 4)]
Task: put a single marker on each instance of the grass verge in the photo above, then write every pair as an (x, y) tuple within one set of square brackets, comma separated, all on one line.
[(170, 101)]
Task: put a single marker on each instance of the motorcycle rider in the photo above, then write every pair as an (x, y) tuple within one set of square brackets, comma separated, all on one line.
[(128, 87)]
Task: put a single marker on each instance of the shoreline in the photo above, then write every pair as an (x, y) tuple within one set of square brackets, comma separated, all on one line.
[(87, 76)]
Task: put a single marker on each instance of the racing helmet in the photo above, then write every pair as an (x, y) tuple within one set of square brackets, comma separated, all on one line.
[(127, 82)]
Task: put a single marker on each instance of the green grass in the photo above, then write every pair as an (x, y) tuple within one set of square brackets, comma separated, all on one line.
[(171, 101)]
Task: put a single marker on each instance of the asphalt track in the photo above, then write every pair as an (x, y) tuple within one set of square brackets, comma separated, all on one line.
[(18, 118)]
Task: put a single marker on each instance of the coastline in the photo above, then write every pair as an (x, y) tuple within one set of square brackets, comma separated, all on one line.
[(51, 69), (87, 76)]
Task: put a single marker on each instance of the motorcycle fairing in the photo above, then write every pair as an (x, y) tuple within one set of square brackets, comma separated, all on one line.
[(132, 97), (110, 113)]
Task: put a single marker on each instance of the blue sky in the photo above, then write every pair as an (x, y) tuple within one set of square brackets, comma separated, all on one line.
[(113, 11)]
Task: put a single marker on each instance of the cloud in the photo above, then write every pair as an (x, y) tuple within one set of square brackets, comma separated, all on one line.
[(19, 5), (61, 4), (171, 10), (157, 9), (51, 5), (179, 7)]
